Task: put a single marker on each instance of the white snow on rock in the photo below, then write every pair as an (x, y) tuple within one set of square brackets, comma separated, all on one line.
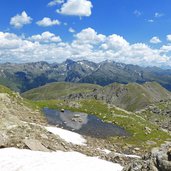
[(126, 155), (68, 136), (119, 154), (12, 159), (104, 150)]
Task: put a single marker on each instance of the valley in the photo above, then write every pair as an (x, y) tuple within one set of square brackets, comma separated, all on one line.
[(85, 85), (119, 123)]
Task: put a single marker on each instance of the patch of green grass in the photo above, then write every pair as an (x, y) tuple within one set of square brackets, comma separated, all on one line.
[(57, 90), (133, 123)]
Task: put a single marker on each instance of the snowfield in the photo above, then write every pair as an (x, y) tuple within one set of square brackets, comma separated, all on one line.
[(12, 159), (68, 136)]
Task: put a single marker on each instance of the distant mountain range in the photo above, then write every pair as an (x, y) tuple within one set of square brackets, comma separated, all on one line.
[(23, 77)]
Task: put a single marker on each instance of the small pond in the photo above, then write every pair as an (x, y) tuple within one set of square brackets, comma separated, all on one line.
[(84, 124)]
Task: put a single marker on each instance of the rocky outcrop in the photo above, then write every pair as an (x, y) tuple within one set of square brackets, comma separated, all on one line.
[(131, 97), (159, 159)]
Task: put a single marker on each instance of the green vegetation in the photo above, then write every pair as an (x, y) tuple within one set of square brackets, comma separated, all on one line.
[(136, 125), (58, 90), (17, 98), (130, 97), (4, 89), (139, 127)]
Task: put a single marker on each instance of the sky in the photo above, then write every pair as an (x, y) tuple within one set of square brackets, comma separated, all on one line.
[(128, 31)]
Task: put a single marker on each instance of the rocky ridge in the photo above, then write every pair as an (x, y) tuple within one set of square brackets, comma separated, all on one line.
[(159, 159)]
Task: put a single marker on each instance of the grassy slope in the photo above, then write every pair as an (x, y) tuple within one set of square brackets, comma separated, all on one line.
[(133, 123), (131, 96), (56, 90), (138, 96), (19, 107)]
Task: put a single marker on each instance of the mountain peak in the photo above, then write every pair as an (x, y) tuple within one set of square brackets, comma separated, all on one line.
[(69, 61)]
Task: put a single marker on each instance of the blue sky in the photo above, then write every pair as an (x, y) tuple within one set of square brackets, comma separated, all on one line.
[(129, 31)]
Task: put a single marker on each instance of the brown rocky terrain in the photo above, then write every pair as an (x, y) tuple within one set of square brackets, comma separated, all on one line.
[(23, 126), (159, 159)]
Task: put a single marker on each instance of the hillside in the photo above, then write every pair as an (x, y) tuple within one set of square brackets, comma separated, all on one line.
[(58, 90), (131, 96), (26, 76), (14, 106), (23, 126)]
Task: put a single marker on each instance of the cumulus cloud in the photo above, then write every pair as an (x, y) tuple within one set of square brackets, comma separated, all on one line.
[(9, 41), (155, 40), (87, 44), (47, 22), (165, 49), (45, 37), (76, 8), (71, 30), (55, 2), (20, 20), (169, 37), (115, 42), (90, 36)]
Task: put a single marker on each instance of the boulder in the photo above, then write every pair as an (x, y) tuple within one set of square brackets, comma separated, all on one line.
[(35, 145)]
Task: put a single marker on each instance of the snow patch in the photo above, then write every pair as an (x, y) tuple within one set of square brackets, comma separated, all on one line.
[(104, 150), (119, 154), (126, 155), (12, 159), (68, 136)]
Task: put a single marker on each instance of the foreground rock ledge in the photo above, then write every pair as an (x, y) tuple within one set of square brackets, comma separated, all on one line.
[(159, 159)]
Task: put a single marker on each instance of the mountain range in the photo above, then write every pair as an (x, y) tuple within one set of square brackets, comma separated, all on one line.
[(23, 77)]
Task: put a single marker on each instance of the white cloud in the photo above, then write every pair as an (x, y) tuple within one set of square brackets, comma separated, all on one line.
[(76, 8), (71, 30), (20, 20), (155, 40), (46, 22), (90, 36), (87, 44), (45, 37), (165, 48), (150, 21), (9, 41), (137, 13), (115, 42), (55, 2), (169, 37), (158, 15)]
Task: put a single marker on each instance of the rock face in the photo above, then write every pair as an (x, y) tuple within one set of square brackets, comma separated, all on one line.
[(158, 160)]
